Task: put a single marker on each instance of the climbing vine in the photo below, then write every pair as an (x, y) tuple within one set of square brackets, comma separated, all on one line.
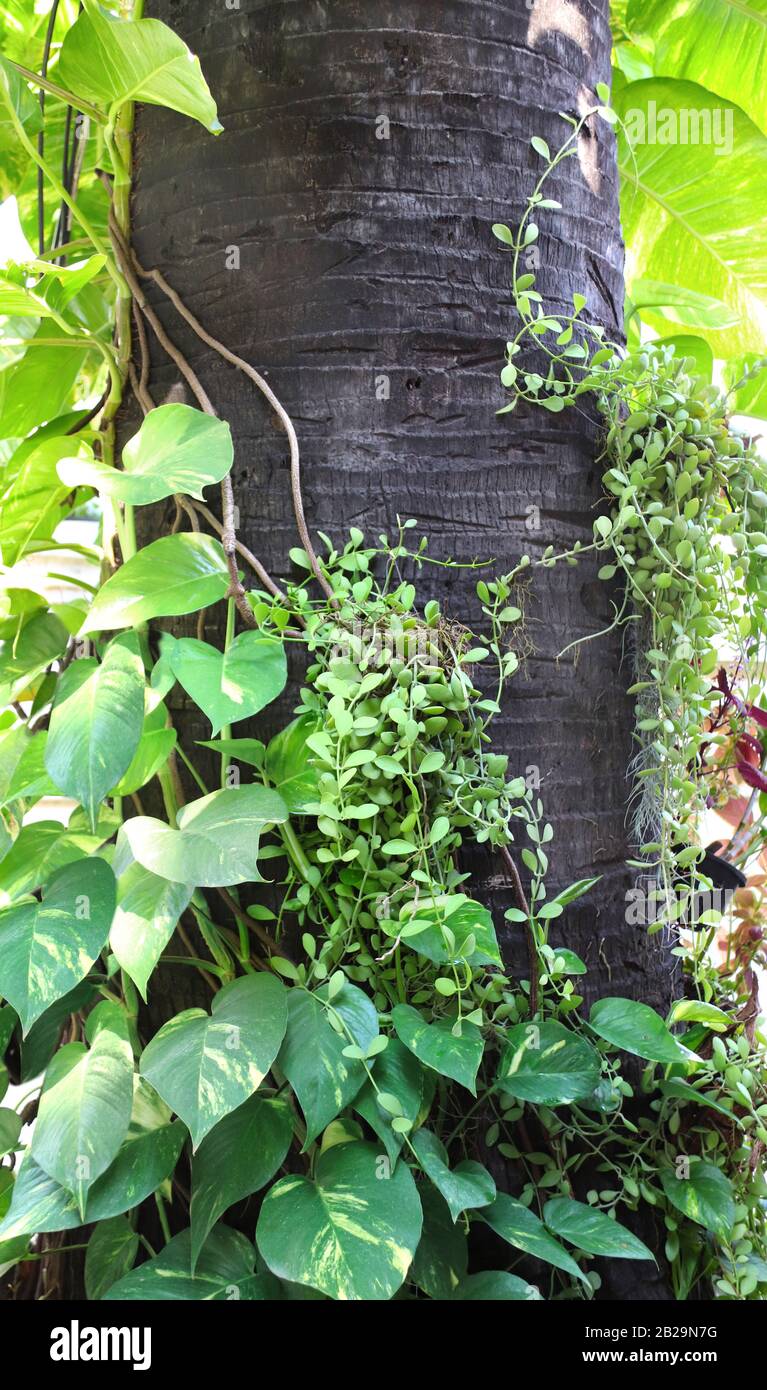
[(363, 1051)]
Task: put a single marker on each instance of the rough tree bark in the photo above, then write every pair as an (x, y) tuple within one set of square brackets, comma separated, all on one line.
[(367, 151)]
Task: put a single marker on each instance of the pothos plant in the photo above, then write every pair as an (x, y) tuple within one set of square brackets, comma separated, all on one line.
[(363, 1046)]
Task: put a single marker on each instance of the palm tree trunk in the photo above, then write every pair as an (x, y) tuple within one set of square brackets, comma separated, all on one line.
[(337, 235)]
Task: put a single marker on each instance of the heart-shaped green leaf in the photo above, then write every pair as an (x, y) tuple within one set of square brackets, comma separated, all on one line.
[(705, 1196), (25, 654), (437, 1046), (325, 1081), (442, 1257), (225, 1271), (231, 685), (637, 1028), (177, 574), (466, 920), (112, 1248), (238, 1157), (592, 1231), (85, 1107), (147, 911), (177, 449), (397, 1072), (47, 947), (289, 764), (495, 1285), (204, 1065), (217, 840), (525, 1231), (467, 1185), (38, 851), (39, 1203), (548, 1064), (96, 723), (351, 1233), (111, 61)]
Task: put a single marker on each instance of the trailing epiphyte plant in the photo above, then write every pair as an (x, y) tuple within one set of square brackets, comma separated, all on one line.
[(683, 534)]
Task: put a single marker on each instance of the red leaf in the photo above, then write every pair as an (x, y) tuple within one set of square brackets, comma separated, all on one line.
[(750, 749), (753, 776), (758, 715)]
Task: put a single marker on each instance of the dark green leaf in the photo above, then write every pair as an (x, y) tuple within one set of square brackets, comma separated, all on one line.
[(467, 1185), (48, 947), (96, 723), (325, 1081), (205, 1066), (592, 1231), (706, 1196), (437, 1047), (351, 1233), (548, 1064), (525, 1231), (112, 1248), (238, 1157), (637, 1028)]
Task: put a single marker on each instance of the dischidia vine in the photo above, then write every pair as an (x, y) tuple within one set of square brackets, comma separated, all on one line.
[(348, 1085)]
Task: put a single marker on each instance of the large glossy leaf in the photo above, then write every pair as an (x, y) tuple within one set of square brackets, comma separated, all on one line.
[(148, 909), (691, 212), (466, 1186), (40, 849), (438, 1047), (705, 1196), (153, 750), (722, 44), (96, 722), (41, 1204), (16, 97), (442, 1257), (289, 764), (22, 767), (231, 685), (112, 1248), (11, 1126), (464, 921), (205, 1066), (351, 1233), (39, 386), (238, 1157), (217, 840), (525, 1231), (32, 503), (495, 1285), (679, 305), (86, 1103), (637, 1028), (225, 1270), (548, 1064), (47, 947), (177, 449), (44, 1036), (325, 1081), (111, 61), (177, 574), (26, 654), (592, 1231), (398, 1073)]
